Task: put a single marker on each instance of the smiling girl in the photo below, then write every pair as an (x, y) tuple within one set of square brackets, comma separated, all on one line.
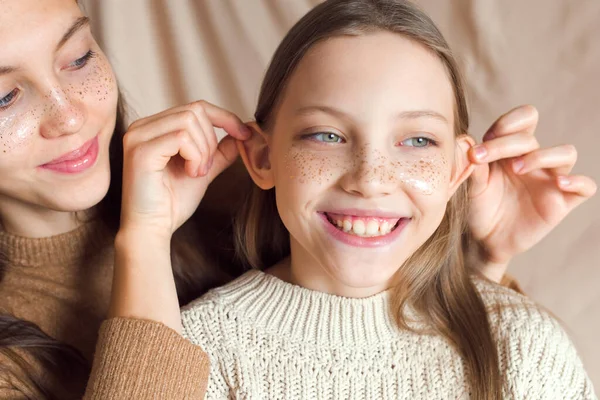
[(359, 157)]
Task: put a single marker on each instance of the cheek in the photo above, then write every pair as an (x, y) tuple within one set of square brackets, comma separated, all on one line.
[(16, 129), (312, 167), (428, 176), (97, 87)]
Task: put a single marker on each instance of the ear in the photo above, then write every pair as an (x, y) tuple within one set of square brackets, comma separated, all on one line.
[(255, 154), (463, 168)]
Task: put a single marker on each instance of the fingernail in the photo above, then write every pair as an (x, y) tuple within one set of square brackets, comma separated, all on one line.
[(210, 164), (564, 181), (246, 131), (518, 115), (489, 135), (480, 152), (518, 165)]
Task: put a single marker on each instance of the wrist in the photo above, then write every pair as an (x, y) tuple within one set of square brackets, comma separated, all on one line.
[(130, 236)]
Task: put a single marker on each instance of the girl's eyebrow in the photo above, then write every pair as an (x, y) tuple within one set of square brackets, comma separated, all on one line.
[(412, 114), (416, 114), (80, 23)]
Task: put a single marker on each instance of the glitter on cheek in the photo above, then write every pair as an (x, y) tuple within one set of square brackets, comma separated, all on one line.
[(425, 174), (17, 130)]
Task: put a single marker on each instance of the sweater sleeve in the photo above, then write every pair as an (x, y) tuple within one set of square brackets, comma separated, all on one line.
[(140, 359)]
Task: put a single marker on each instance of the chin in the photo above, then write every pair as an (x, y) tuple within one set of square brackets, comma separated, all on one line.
[(83, 194)]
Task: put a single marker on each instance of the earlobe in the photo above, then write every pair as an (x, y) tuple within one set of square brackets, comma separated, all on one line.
[(463, 168), (255, 155)]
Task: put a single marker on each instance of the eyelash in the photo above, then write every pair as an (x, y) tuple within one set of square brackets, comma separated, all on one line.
[(82, 62), (5, 102)]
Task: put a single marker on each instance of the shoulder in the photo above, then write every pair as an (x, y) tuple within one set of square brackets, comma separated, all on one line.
[(536, 354), (211, 317)]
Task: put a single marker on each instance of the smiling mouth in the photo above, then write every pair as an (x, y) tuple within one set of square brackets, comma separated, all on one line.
[(365, 227)]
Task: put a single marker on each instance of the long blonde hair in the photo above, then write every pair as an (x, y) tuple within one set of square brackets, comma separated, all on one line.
[(434, 281)]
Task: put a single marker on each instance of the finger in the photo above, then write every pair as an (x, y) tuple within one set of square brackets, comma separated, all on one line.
[(479, 179), (226, 120), (218, 116), (520, 119), (154, 155), (559, 160), (173, 122), (184, 120), (580, 186), (509, 146), (226, 154), (210, 138)]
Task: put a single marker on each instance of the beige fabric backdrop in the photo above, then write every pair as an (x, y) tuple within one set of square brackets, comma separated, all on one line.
[(546, 53)]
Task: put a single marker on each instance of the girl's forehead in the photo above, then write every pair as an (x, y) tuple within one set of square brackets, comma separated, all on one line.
[(34, 25), (380, 71)]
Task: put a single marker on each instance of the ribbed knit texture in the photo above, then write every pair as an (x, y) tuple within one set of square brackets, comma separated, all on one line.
[(268, 339), (62, 284), (138, 359)]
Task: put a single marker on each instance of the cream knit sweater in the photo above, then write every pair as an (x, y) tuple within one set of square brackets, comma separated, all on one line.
[(268, 339)]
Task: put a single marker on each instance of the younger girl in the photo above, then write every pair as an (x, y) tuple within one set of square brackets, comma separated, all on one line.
[(359, 157)]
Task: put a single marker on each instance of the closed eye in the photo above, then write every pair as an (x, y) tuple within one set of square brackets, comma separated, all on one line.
[(82, 62), (7, 100)]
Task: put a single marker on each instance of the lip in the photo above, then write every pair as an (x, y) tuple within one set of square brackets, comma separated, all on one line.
[(76, 161), (371, 242)]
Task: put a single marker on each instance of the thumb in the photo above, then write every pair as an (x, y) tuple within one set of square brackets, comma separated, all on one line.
[(479, 179), (226, 154)]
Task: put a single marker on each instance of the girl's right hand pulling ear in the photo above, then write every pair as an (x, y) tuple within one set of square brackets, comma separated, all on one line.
[(170, 159)]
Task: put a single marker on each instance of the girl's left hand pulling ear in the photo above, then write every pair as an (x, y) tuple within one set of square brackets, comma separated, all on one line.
[(520, 192), (170, 159)]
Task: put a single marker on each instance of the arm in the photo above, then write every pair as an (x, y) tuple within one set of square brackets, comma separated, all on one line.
[(170, 159)]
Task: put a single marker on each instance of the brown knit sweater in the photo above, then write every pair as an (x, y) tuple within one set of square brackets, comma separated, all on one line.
[(62, 284)]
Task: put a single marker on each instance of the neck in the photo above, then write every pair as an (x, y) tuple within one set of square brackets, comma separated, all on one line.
[(37, 222), (304, 270)]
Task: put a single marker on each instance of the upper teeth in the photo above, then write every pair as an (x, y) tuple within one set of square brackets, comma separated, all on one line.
[(363, 227)]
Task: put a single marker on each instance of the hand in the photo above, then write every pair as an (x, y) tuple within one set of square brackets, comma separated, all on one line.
[(170, 159), (520, 192)]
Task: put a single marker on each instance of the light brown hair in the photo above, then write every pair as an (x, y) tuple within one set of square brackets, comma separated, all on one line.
[(434, 281)]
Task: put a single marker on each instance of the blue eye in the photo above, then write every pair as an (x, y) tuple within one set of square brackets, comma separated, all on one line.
[(327, 137), (81, 62), (6, 100), (418, 142)]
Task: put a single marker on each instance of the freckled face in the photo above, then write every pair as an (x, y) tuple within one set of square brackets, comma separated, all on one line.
[(58, 99), (364, 129)]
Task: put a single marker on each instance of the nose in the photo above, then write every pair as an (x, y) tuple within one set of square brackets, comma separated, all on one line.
[(63, 114), (372, 175)]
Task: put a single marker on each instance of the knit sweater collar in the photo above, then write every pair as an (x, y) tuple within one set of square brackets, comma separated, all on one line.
[(65, 249), (306, 315)]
